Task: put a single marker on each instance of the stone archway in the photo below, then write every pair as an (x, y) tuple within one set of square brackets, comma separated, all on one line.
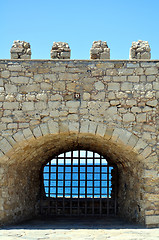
[(22, 164)]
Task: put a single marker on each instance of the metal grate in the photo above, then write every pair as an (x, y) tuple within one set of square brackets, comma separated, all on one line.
[(79, 183)]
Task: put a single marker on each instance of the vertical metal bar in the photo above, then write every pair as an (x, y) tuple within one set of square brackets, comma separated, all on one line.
[(85, 183), (93, 185), (64, 184), (49, 188), (57, 185), (100, 206), (78, 182), (71, 182), (107, 189), (42, 178), (115, 200)]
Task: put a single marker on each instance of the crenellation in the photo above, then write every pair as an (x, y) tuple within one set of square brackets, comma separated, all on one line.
[(60, 50), (20, 50), (140, 50), (99, 50)]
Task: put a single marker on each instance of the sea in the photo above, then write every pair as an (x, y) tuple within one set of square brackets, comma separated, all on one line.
[(87, 183)]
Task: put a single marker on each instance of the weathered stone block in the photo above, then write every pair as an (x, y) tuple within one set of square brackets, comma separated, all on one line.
[(19, 136), (27, 133), (37, 132), (59, 86), (114, 86), (64, 126), (38, 78), (74, 126), (152, 103), (28, 106), (23, 80), (72, 104), (99, 86), (84, 126), (101, 128), (133, 78), (141, 117), (156, 85), (68, 76), (119, 78), (10, 105), (128, 117), (15, 68), (152, 220), (5, 74), (46, 86), (30, 88), (44, 129), (5, 146), (1, 89), (10, 88), (40, 105), (151, 71), (53, 127), (125, 71), (126, 86)]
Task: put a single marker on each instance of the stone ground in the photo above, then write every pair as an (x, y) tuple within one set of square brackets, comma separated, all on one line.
[(84, 229)]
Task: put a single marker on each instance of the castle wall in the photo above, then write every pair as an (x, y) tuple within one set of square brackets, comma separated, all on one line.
[(115, 102)]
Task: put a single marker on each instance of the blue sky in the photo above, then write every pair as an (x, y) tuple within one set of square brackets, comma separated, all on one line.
[(119, 22)]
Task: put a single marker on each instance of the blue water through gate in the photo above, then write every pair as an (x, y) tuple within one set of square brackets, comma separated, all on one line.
[(92, 179)]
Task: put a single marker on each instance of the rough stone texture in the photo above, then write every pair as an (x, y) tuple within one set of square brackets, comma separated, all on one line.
[(60, 50), (20, 50), (140, 50), (99, 50), (115, 115)]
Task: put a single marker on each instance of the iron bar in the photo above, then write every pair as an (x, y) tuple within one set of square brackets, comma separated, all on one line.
[(107, 190), (100, 204), (78, 183), (57, 185), (64, 184), (71, 182), (86, 184), (93, 184)]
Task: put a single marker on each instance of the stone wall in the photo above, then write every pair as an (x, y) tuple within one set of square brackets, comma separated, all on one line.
[(52, 106)]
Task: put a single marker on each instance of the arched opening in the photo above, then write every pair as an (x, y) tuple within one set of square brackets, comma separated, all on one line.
[(21, 181), (79, 183)]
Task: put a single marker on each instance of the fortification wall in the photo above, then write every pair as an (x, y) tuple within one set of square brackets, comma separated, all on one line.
[(115, 100), (121, 93)]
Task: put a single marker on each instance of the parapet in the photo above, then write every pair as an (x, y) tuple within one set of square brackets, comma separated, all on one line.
[(99, 50), (20, 50), (60, 50), (140, 50)]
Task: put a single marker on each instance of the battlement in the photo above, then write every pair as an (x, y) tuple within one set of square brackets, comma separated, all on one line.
[(99, 50)]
